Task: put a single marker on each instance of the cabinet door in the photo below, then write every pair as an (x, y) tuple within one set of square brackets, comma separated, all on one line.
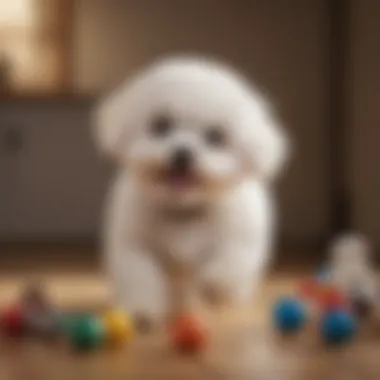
[(54, 178), (3, 176), (10, 145)]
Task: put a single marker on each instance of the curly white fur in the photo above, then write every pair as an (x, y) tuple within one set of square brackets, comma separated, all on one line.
[(221, 230)]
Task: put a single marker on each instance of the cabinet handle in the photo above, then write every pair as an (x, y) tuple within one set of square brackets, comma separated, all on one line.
[(12, 140)]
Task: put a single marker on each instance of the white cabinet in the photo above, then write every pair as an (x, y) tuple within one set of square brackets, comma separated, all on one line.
[(52, 181)]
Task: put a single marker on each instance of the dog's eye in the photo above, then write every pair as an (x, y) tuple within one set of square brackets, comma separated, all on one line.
[(215, 136), (161, 126)]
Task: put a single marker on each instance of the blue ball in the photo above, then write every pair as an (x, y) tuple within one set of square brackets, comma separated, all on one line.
[(289, 315), (338, 327)]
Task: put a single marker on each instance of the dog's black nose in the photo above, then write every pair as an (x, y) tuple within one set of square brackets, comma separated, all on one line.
[(182, 159)]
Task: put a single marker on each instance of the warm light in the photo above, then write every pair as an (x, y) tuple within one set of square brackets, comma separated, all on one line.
[(29, 53), (17, 13)]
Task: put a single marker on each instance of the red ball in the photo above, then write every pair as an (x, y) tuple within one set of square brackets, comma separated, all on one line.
[(331, 299), (13, 322), (188, 335)]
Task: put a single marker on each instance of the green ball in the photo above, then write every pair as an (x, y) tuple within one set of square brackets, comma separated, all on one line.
[(86, 332)]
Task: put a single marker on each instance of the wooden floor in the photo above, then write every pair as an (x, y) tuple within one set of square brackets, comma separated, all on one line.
[(242, 345)]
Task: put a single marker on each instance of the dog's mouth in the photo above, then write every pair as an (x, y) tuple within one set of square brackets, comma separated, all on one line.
[(180, 180)]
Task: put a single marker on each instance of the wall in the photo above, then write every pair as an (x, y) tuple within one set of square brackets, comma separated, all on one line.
[(279, 43), (363, 116)]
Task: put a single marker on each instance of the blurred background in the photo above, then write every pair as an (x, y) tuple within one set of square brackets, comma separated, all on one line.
[(318, 60)]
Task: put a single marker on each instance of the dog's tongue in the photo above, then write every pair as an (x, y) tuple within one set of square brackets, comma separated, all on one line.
[(180, 181)]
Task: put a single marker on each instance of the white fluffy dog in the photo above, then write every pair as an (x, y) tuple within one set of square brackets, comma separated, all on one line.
[(191, 207)]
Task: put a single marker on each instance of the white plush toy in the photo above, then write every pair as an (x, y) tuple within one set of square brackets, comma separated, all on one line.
[(351, 266)]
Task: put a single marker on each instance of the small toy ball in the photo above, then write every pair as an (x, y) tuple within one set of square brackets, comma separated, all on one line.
[(118, 327), (13, 322), (338, 327), (188, 335), (331, 298), (289, 315), (86, 332)]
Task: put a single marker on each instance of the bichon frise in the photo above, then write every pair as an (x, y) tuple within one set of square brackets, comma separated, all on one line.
[(190, 211)]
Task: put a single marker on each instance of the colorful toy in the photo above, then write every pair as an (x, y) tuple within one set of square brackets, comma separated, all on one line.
[(36, 316), (118, 327), (43, 324), (41, 318), (86, 332), (338, 327), (188, 335), (289, 315), (309, 287), (13, 322), (336, 306), (330, 298)]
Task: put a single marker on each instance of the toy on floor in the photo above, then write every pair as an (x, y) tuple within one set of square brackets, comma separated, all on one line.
[(338, 327), (34, 315), (86, 332), (330, 298), (12, 322), (352, 271), (289, 314), (337, 323), (188, 335), (339, 294), (119, 327), (42, 319)]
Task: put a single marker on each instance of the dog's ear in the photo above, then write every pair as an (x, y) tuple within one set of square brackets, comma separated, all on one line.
[(109, 125), (267, 146), (112, 121)]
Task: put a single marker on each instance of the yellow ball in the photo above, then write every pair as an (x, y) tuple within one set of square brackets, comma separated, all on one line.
[(118, 326)]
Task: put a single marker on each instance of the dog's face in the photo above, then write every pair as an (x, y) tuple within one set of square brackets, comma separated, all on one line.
[(188, 131)]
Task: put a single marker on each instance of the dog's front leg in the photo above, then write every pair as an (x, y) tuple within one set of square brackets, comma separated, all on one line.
[(139, 284), (181, 289), (233, 274)]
